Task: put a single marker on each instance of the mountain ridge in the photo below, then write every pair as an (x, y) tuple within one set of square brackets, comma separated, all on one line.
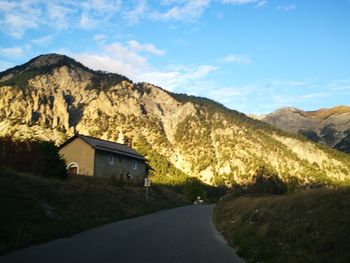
[(325, 113), (184, 135), (329, 126)]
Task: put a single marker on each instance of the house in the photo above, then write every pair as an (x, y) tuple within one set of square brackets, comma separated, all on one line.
[(90, 156)]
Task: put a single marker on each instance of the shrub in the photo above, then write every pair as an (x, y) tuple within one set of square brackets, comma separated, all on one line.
[(266, 181), (193, 187), (53, 165), (236, 190)]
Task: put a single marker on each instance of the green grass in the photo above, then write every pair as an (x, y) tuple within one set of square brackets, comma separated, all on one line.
[(35, 209), (307, 226)]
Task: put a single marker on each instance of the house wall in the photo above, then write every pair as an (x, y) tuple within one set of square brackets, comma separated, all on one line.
[(119, 167), (81, 153)]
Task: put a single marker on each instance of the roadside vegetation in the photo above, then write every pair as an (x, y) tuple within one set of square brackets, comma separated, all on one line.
[(35, 209), (35, 157), (40, 202), (266, 222)]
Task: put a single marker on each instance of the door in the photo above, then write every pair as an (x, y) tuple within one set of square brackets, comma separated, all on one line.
[(73, 169)]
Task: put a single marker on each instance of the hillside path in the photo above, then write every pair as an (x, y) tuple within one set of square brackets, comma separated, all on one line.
[(184, 234)]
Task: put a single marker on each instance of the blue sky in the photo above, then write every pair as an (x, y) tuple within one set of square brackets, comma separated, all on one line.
[(251, 55)]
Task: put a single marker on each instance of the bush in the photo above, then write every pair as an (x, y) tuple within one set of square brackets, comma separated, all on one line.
[(266, 182), (236, 190), (193, 187), (37, 157), (53, 165)]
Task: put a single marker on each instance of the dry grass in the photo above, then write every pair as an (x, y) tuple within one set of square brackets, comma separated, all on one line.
[(308, 226), (35, 209), (326, 113)]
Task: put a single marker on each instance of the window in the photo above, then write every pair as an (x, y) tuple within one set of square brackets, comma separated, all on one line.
[(134, 165), (110, 159)]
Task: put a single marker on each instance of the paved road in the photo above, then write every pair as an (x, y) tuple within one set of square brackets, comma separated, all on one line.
[(184, 234)]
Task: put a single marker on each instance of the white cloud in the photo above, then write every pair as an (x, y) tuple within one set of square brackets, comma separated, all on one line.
[(172, 2), (178, 78), (106, 63), (100, 38), (12, 52), (5, 65), (299, 101), (313, 95), (102, 6), (124, 53), (340, 86), (58, 15), (127, 59), (86, 21), (235, 58), (189, 11), (290, 83), (95, 12), (42, 40), (287, 7), (240, 2), (18, 24), (121, 58), (7, 6), (149, 48), (17, 17), (266, 96), (135, 67), (22, 15), (228, 95), (261, 4), (133, 16)]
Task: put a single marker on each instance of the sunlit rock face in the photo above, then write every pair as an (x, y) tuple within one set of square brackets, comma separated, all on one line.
[(52, 96)]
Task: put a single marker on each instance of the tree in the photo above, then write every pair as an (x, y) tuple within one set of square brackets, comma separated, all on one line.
[(53, 164), (36, 157), (266, 181), (328, 134), (311, 135)]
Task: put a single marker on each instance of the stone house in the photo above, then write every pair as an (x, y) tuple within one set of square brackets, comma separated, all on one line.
[(90, 156)]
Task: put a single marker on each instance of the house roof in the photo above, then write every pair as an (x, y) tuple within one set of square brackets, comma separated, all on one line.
[(106, 146)]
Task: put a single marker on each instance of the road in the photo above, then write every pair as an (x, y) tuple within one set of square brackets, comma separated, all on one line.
[(184, 234)]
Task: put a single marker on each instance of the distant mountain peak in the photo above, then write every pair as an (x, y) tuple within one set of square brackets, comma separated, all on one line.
[(50, 59), (43, 62), (288, 109), (329, 126), (46, 64)]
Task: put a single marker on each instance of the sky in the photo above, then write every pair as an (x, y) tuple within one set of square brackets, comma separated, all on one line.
[(253, 56)]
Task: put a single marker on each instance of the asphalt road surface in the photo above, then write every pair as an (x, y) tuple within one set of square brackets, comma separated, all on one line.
[(184, 234)]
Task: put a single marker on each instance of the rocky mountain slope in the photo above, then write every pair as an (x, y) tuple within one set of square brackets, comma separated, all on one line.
[(52, 96), (327, 126)]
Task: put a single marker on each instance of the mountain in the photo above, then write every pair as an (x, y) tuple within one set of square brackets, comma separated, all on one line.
[(53, 96), (327, 126)]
